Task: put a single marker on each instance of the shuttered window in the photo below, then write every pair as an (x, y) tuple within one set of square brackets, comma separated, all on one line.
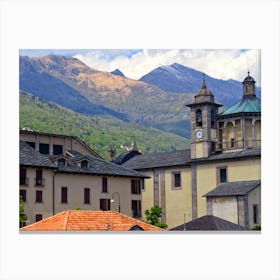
[(63, 194), (105, 204), (86, 195)]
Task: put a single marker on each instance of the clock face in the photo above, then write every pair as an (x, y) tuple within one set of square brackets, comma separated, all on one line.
[(199, 134)]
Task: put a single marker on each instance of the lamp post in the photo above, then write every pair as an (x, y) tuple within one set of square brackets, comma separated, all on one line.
[(112, 200)]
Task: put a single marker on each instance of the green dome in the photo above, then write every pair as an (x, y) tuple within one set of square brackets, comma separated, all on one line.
[(245, 105)]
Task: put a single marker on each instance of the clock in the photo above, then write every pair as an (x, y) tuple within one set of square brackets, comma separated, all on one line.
[(199, 134)]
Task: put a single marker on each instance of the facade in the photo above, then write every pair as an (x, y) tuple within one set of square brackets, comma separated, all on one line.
[(51, 182), (225, 148)]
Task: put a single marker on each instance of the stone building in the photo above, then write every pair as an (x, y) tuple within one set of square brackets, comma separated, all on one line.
[(225, 149)]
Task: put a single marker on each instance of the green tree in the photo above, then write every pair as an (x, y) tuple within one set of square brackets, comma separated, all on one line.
[(153, 215), (22, 215)]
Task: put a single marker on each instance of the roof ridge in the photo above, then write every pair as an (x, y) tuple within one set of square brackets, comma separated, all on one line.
[(64, 227)]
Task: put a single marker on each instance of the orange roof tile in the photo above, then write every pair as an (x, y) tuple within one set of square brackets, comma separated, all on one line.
[(85, 220)]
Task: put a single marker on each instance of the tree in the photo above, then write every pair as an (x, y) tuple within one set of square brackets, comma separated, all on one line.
[(22, 215), (153, 215)]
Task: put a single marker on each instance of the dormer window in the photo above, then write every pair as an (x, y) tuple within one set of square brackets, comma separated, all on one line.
[(61, 162), (84, 163)]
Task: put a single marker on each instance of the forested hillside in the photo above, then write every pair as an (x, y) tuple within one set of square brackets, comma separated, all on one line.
[(100, 132)]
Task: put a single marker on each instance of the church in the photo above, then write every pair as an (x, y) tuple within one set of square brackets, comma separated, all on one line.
[(220, 175)]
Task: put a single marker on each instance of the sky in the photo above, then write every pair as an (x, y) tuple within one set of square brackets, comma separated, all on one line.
[(134, 63)]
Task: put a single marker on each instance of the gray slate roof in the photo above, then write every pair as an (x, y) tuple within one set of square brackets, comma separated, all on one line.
[(98, 167), (30, 157), (248, 152), (152, 160), (234, 188), (209, 222), (182, 157)]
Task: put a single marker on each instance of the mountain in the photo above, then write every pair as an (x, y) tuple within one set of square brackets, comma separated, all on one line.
[(176, 78), (34, 79), (118, 73), (100, 132), (70, 83)]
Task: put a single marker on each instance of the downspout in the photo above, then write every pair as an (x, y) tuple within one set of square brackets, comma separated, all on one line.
[(53, 196)]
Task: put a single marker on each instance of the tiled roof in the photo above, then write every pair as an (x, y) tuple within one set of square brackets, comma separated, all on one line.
[(122, 158), (248, 152), (29, 157), (248, 104), (234, 188), (209, 222), (98, 167), (84, 220), (145, 161), (182, 157)]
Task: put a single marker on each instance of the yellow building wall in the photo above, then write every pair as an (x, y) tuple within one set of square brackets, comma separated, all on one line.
[(242, 170), (148, 192), (254, 197), (199, 150), (178, 201)]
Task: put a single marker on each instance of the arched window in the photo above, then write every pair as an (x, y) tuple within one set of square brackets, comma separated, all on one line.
[(212, 119), (198, 118)]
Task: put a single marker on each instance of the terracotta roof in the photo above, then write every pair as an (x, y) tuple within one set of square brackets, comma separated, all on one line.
[(209, 222), (84, 220), (234, 188)]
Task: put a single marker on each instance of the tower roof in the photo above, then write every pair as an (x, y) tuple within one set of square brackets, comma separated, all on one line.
[(245, 105), (249, 78)]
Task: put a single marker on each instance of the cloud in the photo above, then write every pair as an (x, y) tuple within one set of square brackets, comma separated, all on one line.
[(218, 63), (134, 63)]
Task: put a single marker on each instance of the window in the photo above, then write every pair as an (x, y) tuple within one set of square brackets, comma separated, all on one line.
[(105, 204), (212, 119), (39, 181), (135, 186), (256, 213), (22, 193), (31, 144), (39, 196), (136, 208), (23, 180), (198, 118), (177, 180), (61, 162), (63, 194), (57, 150), (104, 184), (86, 195), (38, 217), (143, 185), (84, 163), (44, 148), (222, 174), (232, 143)]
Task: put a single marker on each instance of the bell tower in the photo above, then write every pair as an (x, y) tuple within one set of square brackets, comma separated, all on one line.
[(203, 122)]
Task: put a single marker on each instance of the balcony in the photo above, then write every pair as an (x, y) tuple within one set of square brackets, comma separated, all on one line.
[(39, 182), (24, 181)]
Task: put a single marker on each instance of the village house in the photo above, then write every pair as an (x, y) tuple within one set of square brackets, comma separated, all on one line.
[(60, 172)]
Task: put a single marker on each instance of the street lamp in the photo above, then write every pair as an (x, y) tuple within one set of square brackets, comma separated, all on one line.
[(112, 200)]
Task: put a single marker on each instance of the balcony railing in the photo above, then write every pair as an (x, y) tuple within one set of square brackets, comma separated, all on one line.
[(238, 144), (39, 182), (24, 181)]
